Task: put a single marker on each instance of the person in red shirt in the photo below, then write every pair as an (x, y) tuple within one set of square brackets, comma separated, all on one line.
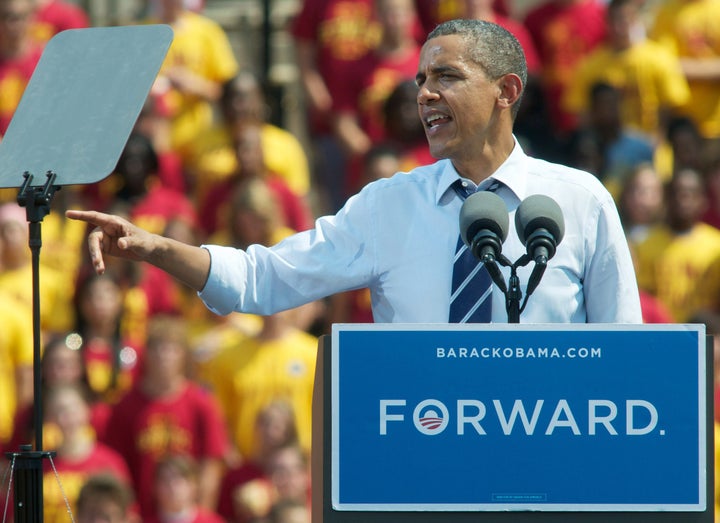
[(62, 366), (79, 455), (247, 138), (19, 56), (176, 493), (111, 358), (564, 31), (485, 10), (53, 16), (358, 111), (167, 413), (105, 499), (331, 38)]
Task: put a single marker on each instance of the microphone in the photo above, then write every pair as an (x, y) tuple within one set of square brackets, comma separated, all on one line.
[(540, 226), (484, 225)]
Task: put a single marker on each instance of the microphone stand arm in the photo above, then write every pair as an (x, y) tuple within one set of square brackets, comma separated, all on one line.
[(513, 292)]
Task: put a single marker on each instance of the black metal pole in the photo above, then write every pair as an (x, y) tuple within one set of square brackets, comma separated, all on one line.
[(35, 243), (28, 494)]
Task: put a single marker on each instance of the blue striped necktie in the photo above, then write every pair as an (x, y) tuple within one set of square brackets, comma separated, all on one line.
[(471, 294)]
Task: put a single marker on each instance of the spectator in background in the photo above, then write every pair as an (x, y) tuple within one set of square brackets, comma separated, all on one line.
[(151, 203), (331, 37), (214, 158), (641, 203), (111, 359), (250, 155), (403, 128), (684, 148), (358, 107), (564, 31), (53, 16), (486, 10), (16, 365), (176, 490), (63, 242), (200, 60), (286, 478), (275, 427), (276, 364), (252, 216), (360, 118), (19, 54), (105, 499), (79, 456), (712, 181), (62, 365), (56, 311), (690, 29), (434, 12), (648, 76), (641, 206), (604, 145), (679, 260), (289, 472), (167, 413), (289, 511)]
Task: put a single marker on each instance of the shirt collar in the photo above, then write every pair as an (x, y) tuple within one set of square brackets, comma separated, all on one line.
[(510, 173)]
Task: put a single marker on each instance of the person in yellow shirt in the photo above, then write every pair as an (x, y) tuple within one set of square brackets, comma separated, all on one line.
[(276, 364), (691, 30), (213, 158), (679, 260), (199, 60), (16, 362), (717, 471), (648, 76), (56, 289)]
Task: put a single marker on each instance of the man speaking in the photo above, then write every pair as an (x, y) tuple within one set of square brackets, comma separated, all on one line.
[(400, 236)]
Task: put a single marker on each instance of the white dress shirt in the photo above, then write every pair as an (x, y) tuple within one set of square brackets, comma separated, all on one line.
[(397, 236)]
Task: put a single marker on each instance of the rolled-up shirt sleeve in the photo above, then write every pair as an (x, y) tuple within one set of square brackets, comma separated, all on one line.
[(228, 273)]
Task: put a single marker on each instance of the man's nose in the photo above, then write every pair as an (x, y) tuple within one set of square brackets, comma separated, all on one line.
[(426, 94)]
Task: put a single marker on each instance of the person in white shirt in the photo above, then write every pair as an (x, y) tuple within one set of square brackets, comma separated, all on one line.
[(397, 236)]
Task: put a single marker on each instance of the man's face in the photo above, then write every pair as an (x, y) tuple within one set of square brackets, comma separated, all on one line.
[(456, 99)]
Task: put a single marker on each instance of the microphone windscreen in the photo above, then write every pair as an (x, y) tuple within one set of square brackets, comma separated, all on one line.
[(483, 210), (539, 212)]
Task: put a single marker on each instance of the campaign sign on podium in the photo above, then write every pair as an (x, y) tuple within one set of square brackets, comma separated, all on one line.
[(519, 418)]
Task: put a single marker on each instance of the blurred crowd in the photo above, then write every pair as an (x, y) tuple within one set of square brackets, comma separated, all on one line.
[(160, 410)]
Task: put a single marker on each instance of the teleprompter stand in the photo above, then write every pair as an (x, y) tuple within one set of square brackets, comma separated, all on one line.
[(72, 123), (28, 462)]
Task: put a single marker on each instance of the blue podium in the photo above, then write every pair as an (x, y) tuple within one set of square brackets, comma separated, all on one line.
[(514, 423)]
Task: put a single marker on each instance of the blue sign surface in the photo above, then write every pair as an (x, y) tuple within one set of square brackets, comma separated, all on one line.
[(519, 417)]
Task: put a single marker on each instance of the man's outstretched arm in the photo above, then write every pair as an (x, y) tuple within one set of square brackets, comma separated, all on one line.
[(116, 236)]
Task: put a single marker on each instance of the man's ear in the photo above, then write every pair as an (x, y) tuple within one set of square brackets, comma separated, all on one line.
[(511, 88)]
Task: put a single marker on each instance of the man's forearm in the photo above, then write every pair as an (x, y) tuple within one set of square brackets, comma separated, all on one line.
[(187, 263)]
